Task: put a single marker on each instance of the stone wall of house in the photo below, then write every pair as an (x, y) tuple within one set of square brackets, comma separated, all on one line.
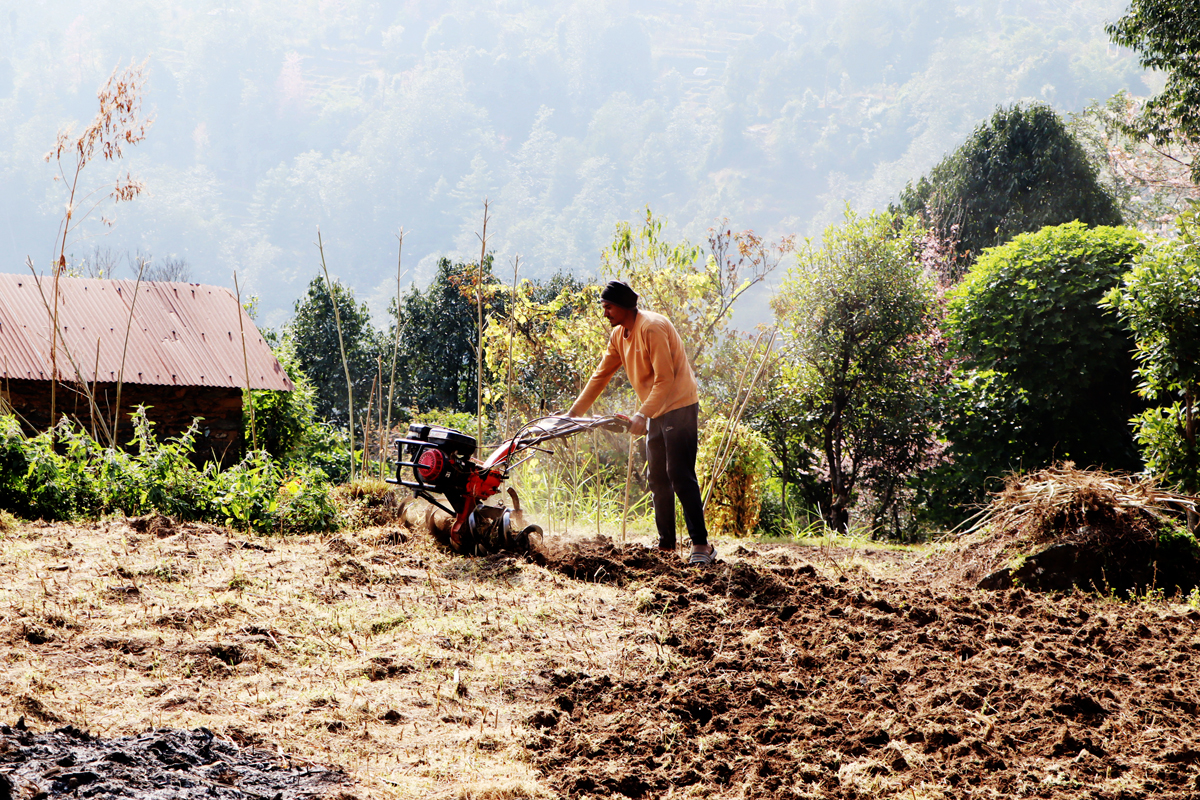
[(171, 408)]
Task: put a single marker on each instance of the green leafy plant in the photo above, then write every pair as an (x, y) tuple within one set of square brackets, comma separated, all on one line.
[(737, 493), (65, 474), (1045, 373), (1159, 299)]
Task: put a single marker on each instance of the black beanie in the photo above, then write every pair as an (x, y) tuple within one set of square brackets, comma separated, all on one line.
[(618, 293)]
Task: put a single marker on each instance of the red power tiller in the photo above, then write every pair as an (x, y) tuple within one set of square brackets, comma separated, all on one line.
[(441, 461)]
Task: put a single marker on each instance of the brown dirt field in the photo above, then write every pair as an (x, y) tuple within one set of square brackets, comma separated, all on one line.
[(785, 682), (781, 671)]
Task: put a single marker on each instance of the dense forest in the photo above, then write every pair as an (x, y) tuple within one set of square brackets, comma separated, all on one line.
[(272, 119)]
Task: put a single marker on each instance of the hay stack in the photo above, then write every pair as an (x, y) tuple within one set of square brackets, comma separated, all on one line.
[(1063, 527)]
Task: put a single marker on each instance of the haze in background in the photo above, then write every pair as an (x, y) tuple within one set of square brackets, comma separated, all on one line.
[(276, 117)]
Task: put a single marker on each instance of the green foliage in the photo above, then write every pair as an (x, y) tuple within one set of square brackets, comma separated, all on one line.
[(68, 476), (1166, 36), (1045, 373), (737, 493), (1159, 300), (1020, 171), (551, 336), (314, 336), (439, 329), (282, 419), (696, 292), (857, 317)]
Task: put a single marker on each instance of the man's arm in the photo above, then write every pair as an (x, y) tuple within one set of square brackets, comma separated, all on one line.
[(595, 385)]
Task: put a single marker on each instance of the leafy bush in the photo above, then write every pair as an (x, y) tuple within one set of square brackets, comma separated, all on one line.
[(1160, 301), (737, 494), (283, 420), (1045, 372), (65, 474)]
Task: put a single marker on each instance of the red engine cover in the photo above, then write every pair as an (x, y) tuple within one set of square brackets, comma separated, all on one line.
[(430, 464)]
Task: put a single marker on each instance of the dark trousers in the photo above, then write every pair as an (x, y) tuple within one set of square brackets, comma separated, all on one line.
[(671, 443)]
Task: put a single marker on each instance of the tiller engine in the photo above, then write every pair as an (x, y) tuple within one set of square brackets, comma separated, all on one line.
[(441, 462)]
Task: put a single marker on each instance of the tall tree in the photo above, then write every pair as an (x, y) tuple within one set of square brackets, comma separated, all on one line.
[(1166, 36), (438, 330), (314, 332), (1018, 172), (855, 315)]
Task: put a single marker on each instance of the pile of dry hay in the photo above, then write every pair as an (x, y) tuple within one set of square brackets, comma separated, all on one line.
[(1063, 527)]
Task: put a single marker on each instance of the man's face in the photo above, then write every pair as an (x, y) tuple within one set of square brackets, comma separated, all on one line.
[(614, 313)]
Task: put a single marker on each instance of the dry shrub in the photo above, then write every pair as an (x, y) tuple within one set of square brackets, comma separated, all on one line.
[(1064, 503), (367, 502)]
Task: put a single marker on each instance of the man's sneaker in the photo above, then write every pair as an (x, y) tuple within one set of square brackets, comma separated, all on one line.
[(702, 554)]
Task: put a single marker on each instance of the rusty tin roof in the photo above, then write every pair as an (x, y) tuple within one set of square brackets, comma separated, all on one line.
[(182, 334)]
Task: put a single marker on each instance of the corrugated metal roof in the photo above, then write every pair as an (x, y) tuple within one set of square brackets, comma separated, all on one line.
[(182, 334)]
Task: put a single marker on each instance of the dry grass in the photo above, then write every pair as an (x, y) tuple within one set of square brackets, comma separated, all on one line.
[(412, 669), (1027, 502)]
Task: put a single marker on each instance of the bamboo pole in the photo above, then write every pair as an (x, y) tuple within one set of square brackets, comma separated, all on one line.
[(379, 412), (245, 360), (366, 458), (95, 381), (337, 319), (116, 428), (79, 378), (512, 323), (395, 344), (738, 410), (479, 343)]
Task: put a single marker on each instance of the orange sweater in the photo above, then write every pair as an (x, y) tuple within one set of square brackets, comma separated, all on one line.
[(655, 361)]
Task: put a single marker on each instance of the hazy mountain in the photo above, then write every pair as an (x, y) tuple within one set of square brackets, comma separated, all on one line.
[(275, 117)]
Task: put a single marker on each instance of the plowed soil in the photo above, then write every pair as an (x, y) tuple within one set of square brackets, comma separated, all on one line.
[(790, 684), (372, 664)]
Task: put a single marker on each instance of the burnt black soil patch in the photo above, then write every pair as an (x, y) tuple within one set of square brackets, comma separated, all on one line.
[(158, 765)]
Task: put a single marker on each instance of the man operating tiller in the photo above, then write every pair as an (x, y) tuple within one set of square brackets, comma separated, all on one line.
[(650, 349)]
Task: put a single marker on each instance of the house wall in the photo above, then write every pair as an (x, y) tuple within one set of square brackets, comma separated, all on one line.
[(171, 408)]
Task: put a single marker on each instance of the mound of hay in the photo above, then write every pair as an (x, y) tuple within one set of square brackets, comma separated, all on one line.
[(1062, 527)]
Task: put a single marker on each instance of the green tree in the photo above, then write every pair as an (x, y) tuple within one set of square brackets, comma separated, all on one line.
[(1019, 171), (1166, 36), (438, 334), (1160, 301), (695, 291), (856, 315), (1045, 373), (549, 336), (314, 333)]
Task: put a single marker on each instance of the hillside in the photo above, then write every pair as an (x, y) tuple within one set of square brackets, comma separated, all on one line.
[(273, 119)]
